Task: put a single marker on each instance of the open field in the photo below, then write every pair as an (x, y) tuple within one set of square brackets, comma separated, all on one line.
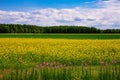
[(42, 58), (13, 50), (63, 36)]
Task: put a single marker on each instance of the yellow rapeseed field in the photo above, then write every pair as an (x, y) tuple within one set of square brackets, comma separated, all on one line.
[(32, 50)]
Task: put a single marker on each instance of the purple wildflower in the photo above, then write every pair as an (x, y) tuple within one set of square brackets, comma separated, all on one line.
[(101, 62), (47, 64), (114, 62), (41, 65)]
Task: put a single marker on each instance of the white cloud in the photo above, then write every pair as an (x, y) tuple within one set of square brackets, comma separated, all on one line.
[(107, 16)]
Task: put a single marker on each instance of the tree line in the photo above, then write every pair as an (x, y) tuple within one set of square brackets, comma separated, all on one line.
[(17, 28)]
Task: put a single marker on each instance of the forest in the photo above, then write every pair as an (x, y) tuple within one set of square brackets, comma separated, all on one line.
[(18, 28)]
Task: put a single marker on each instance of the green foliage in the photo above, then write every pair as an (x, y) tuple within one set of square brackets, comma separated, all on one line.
[(17, 28)]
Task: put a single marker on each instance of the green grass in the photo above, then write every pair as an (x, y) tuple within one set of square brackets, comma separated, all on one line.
[(55, 71), (63, 36)]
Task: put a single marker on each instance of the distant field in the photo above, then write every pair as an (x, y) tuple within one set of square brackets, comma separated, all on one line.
[(63, 36)]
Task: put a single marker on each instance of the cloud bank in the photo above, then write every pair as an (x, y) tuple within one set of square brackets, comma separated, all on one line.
[(106, 15)]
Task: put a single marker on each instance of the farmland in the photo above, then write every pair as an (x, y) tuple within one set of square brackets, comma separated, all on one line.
[(61, 50), (69, 55), (61, 36)]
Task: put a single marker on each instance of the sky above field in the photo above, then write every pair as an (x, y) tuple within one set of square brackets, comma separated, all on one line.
[(102, 14)]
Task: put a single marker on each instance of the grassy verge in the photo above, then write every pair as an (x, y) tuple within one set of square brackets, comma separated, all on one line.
[(57, 71)]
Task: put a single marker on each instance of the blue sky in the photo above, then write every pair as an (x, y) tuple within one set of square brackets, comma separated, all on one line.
[(26, 4), (98, 13)]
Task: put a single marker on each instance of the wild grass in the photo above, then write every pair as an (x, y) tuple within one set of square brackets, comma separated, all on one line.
[(57, 71)]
